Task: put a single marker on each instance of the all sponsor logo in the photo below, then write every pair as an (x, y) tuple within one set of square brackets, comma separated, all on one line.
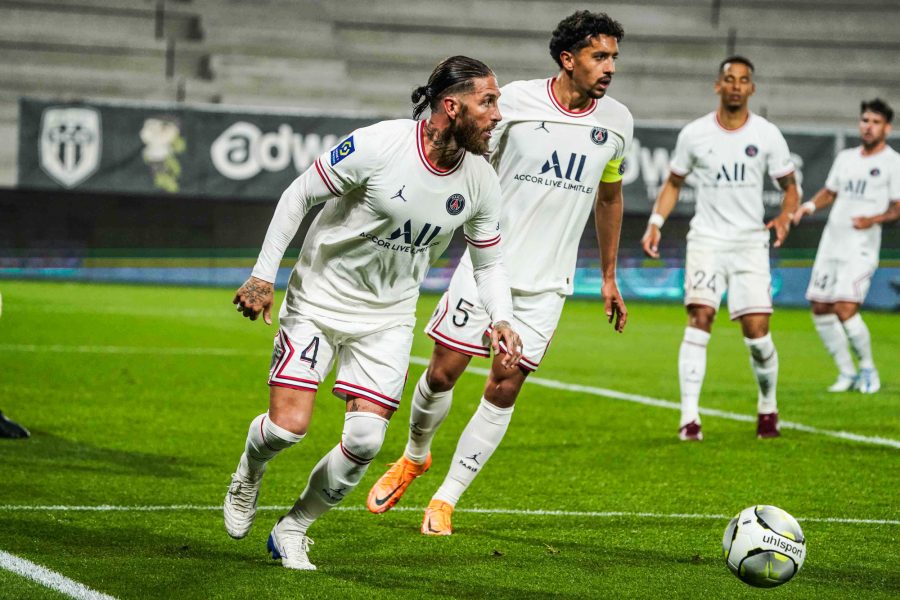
[(751, 150), (406, 239), (599, 135), (70, 144), (455, 204)]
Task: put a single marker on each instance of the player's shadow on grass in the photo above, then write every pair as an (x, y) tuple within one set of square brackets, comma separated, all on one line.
[(48, 452)]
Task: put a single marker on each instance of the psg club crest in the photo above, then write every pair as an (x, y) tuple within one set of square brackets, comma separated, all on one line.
[(751, 150), (875, 172), (70, 144), (342, 151), (599, 135), (455, 204)]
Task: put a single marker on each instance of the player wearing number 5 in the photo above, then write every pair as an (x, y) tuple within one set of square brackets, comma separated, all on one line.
[(729, 152), (864, 185), (394, 193)]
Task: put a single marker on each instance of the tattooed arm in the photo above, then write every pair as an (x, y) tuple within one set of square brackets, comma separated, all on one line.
[(255, 296), (782, 223)]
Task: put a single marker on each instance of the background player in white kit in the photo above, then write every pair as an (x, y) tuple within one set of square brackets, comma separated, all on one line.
[(729, 152), (864, 185), (558, 152), (395, 193)]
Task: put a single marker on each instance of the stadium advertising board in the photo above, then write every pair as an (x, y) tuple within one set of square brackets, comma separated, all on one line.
[(214, 152)]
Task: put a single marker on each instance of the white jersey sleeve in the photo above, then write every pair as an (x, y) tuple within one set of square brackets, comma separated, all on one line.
[(482, 233), (833, 182), (682, 162), (333, 174), (778, 157)]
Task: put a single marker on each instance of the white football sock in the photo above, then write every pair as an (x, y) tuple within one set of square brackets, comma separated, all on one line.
[(691, 371), (428, 411), (476, 445), (835, 339), (339, 471), (764, 362), (265, 440), (860, 339)]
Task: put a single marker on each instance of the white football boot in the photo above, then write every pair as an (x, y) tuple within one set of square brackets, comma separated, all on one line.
[(844, 383), (289, 543), (240, 501), (868, 381)]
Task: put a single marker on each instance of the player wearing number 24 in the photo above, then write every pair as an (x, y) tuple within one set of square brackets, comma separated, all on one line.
[(729, 152)]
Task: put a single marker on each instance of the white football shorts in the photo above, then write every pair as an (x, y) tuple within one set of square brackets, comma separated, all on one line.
[(742, 271), (460, 322), (840, 279), (371, 358)]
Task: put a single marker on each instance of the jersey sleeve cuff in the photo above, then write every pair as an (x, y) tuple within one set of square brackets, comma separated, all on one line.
[(679, 171), (780, 174)]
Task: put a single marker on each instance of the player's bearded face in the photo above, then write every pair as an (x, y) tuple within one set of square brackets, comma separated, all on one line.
[(468, 134), (873, 129), (735, 85), (594, 65)]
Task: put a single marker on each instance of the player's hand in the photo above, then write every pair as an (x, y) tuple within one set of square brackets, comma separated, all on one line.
[(254, 297), (782, 225), (863, 222), (650, 241), (501, 332), (801, 212), (614, 305)]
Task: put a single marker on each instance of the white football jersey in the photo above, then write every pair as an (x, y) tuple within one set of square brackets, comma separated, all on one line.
[(730, 167), (550, 161), (865, 187), (389, 214)]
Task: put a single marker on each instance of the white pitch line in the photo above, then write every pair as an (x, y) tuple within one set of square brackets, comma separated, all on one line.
[(48, 578), (540, 381), (483, 511)]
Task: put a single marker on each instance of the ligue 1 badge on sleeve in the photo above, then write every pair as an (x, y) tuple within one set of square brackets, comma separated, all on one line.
[(70, 144), (342, 151), (599, 135), (455, 204)]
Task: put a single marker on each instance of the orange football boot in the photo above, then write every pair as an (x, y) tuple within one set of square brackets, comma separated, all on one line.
[(388, 490), (437, 518)]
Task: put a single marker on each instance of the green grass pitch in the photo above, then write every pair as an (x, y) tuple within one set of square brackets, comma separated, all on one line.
[(140, 397)]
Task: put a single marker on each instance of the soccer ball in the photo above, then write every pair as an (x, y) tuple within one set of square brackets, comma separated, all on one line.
[(764, 546)]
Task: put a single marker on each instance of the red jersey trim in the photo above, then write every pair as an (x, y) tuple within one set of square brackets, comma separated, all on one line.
[(420, 147), (321, 171), (483, 243), (569, 113), (736, 129)]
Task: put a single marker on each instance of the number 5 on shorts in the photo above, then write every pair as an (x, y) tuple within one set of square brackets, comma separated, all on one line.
[(461, 307)]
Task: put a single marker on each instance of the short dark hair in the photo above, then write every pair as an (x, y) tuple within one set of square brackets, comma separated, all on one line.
[(877, 106), (736, 59), (575, 31), (451, 76)]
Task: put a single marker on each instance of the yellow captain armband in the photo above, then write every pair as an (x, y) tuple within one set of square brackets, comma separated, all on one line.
[(613, 171)]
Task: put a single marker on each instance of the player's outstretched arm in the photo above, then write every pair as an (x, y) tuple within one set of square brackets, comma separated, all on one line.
[(890, 215), (253, 297), (823, 198), (665, 204), (782, 223), (608, 209)]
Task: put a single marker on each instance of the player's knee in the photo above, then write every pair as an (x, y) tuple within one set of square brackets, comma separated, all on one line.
[(503, 391), (441, 378), (820, 308), (363, 434), (701, 317)]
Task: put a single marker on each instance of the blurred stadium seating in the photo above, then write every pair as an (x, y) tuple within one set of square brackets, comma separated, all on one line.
[(814, 59)]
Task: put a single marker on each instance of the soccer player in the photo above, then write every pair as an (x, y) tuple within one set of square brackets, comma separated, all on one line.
[(729, 151), (394, 192), (864, 185), (558, 153)]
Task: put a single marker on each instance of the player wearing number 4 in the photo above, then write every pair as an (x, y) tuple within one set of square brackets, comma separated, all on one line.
[(558, 153), (394, 194), (729, 152), (864, 185)]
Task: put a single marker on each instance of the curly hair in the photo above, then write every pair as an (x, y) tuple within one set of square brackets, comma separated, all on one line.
[(575, 32), (878, 106)]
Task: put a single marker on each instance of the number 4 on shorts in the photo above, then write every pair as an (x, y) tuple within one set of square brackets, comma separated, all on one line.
[(309, 353)]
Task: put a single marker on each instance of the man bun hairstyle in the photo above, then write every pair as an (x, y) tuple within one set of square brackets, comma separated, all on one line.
[(877, 106), (452, 75), (736, 59), (575, 32)]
